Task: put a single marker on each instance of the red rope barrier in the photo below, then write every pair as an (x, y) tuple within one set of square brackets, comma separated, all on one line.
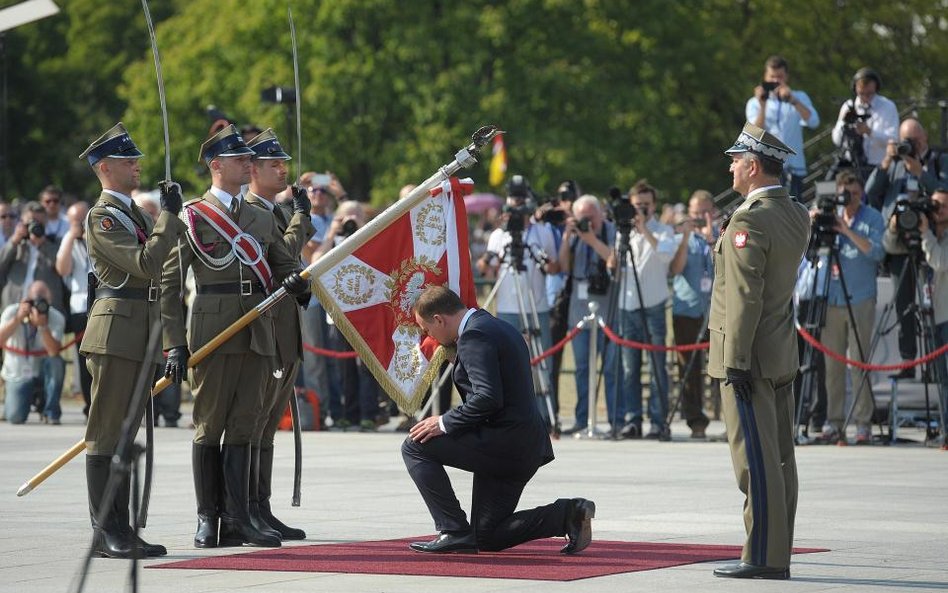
[(68, 344), (652, 347), (866, 366), (556, 347), (330, 353)]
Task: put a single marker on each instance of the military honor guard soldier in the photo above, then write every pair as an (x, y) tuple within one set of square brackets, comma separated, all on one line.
[(753, 347), (267, 179), (127, 252), (238, 257)]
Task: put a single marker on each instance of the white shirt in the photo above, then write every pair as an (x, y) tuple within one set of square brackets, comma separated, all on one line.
[(30, 266), (651, 265), (538, 238), (57, 227), (78, 279), (121, 197), (883, 125), (224, 197), (17, 367), (270, 205)]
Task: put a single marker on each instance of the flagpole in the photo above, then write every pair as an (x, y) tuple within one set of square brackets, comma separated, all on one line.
[(464, 158)]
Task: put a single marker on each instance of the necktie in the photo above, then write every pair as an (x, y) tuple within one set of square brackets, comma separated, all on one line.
[(234, 207)]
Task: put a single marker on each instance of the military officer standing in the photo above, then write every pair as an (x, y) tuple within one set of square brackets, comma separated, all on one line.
[(267, 179), (753, 347), (238, 257), (127, 252)]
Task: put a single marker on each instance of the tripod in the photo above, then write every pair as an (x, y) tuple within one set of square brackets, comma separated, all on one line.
[(922, 314), (625, 253), (515, 268), (824, 260), (125, 461)]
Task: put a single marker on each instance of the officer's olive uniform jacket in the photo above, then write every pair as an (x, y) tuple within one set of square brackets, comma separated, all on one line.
[(213, 313), (119, 326), (296, 229), (755, 262)]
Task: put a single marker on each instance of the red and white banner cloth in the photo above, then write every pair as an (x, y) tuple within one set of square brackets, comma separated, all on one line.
[(369, 293)]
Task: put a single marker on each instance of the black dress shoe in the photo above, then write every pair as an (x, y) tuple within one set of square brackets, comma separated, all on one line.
[(908, 373), (579, 525), (749, 571), (447, 543)]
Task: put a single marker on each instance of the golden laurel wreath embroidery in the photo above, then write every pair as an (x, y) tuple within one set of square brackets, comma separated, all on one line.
[(406, 361), (353, 284), (430, 224), (404, 285)]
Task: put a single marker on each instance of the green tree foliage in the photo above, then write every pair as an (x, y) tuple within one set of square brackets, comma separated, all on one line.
[(601, 91)]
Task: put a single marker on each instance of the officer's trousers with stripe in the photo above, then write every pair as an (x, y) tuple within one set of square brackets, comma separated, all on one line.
[(760, 435)]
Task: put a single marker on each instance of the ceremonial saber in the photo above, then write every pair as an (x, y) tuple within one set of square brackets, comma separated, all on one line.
[(294, 404), (149, 428), (464, 158)]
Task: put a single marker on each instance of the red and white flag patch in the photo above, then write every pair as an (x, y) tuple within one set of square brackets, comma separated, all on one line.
[(740, 239)]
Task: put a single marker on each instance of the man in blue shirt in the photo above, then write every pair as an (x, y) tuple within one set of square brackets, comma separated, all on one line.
[(859, 243), (783, 112), (693, 271)]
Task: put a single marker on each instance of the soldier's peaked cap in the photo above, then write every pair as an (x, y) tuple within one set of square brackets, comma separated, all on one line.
[(266, 146), (116, 144), (760, 142), (226, 142)]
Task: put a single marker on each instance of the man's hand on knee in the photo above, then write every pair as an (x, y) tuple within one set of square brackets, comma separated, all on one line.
[(426, 430)]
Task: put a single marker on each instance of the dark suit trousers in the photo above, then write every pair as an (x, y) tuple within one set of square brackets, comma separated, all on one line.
[(498, 484)]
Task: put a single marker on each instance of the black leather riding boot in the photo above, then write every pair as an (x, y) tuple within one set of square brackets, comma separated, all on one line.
[(236, 527), (121, 513), (258, 521), (206, 464), (110, 542), (263, 498)]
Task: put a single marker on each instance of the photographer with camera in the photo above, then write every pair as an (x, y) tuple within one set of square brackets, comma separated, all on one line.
[(783, 112), (32, 325), (692, 269), (522, 250), (857, 231), (586, 254), (360, 391), (934, 233), (908, 173), (29, 255), (642, 309), (866, 123)]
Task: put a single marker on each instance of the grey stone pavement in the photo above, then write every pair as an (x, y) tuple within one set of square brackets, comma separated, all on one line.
[(880, 509)]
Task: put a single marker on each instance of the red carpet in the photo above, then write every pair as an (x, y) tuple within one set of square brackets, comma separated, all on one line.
[(539, 560)]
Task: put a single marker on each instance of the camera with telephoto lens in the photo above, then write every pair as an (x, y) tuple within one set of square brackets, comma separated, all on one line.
[(905, 148), (824, 223), (908, 217), (40, 305), (518, 188), (852, 116), (584, 224), (623, 211), (349, 227), (36, 228)]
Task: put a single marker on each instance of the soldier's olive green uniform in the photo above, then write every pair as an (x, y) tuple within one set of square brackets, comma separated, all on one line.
[(117, 334), (296, 229), (751, 325), (228, 384)]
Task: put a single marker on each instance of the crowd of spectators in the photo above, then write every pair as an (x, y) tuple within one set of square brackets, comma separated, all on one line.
[(643, 265)]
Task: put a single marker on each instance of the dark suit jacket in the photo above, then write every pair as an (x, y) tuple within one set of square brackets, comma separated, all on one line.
[(499, 415)]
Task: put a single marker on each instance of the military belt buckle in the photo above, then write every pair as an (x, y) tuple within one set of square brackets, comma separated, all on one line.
[(152, 293), (246, 288)]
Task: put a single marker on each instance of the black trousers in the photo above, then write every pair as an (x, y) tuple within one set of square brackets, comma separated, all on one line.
[(498, 484), (904, 275)]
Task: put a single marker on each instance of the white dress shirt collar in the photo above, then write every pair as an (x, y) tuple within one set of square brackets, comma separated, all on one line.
[(760, 190), (464, 319), (224, 197), (121, 197), (270, 205)]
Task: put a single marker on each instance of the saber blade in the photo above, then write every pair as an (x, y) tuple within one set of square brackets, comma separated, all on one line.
[(161, 88), (299, 98)]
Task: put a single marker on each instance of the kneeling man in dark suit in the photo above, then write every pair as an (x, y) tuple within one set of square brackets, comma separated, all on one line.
[(496, 433)]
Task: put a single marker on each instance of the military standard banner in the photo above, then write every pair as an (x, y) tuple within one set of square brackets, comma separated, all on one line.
[(370, 290)]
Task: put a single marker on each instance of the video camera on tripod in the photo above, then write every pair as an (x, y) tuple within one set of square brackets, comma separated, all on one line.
[(910, 207), (623, 211)]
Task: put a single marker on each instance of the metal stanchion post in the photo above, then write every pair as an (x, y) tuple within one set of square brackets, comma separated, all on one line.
[(592, 383)]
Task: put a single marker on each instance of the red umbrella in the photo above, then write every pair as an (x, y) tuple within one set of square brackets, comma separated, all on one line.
[(480, 203)]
